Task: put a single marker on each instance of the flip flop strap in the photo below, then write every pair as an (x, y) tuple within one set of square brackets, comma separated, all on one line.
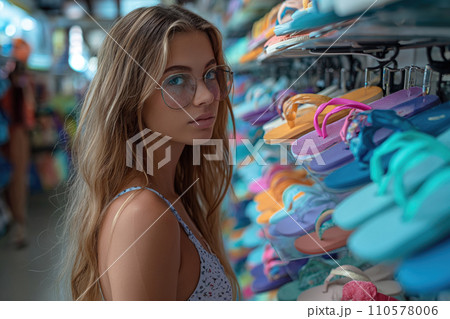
[(290, 5), (290, 192), (412, 148), (427, 189), (337, 102), (321, 225), (281, 98), (300, 175), (345, 271), (416, 154), (290, 107), (347, 104), (410, 157), (363, 146), (314, 200), (393, 143)]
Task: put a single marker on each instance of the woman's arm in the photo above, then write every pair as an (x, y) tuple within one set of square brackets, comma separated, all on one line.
[(146, 244)]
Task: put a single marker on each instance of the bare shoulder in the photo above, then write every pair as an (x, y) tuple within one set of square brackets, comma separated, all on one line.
[(139, 211), (143, 244)]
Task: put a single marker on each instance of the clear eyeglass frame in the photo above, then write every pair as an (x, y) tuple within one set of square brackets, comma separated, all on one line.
[(183, 98)]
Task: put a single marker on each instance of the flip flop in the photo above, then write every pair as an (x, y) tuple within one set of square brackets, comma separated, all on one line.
[(300, 125), (265, 114), (314, 197), (263, 283), (375, 201), (281, 43), (288, 8), (308, 19), (332, 290), (272, 198), (263, 183), (426, 272), (340, 154), (290, 191), (294, 193), (330, 92), (302, 223), (423, 221), (327, 237), (333, 130), (355, 174), (289, 269)]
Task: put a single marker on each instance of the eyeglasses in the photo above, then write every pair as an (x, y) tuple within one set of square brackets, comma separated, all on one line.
[(178, 90)]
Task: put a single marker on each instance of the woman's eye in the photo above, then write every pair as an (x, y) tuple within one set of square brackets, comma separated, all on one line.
[(176, 81), (211, 75)]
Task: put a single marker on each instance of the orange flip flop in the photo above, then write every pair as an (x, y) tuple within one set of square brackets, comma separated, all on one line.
[(283, 174), (299, 125), (272, 199), (265, 216)]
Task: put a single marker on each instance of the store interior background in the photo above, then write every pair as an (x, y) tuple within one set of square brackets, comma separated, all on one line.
[(65, 36)]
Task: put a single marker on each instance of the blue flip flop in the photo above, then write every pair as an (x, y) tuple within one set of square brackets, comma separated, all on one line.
[(308, 19), (349, 214), (426, 272), (291, 206)]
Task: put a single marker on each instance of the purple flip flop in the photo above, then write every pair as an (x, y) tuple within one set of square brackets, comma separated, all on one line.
[(303, 223), (263, 284), (333, 129)]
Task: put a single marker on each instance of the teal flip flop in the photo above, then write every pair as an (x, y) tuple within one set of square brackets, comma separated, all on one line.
[(399, 232), (349, 213)]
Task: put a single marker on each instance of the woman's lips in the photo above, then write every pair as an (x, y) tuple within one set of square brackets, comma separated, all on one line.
[(203, 123)]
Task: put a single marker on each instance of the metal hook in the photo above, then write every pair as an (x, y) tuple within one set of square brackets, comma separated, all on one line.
[(388, 79), (426, 86), (411, 80), (343, 82)]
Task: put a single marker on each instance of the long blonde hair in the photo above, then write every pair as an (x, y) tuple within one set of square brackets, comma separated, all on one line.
[(110, 114)]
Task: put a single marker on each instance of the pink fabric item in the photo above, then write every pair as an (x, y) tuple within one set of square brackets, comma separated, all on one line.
[(348, 120), (363, 291)]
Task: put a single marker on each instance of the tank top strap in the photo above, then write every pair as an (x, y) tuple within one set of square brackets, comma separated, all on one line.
[(175, 213)]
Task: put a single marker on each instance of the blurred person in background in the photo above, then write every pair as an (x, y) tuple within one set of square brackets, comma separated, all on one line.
[(18, 103)]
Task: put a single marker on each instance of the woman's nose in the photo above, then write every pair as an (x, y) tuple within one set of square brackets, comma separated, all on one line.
[(202, 95)]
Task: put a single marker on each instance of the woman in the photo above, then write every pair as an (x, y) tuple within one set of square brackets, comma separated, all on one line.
[(140, 236)]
